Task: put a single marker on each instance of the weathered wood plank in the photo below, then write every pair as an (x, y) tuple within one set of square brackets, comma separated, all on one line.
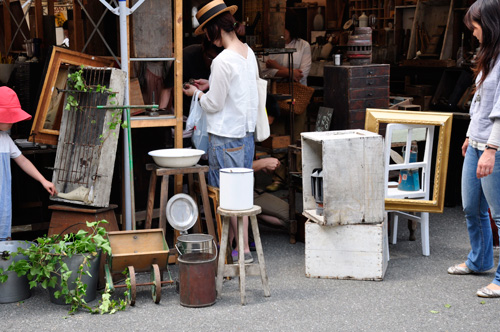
[(152, 29), (346, 252)]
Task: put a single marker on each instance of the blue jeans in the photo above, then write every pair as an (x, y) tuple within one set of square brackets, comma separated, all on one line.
[(477, 195), (226, 152)]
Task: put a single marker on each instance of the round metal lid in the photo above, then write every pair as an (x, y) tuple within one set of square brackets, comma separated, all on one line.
[(182, 212)]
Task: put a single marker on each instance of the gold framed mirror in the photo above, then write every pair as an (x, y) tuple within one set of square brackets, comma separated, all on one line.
[(375, 120), (48, 115)]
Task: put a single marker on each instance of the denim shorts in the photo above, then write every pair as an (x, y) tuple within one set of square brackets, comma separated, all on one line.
[(226, 152)]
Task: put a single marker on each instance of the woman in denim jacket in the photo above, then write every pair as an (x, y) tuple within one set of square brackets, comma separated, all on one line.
[(481, 169)]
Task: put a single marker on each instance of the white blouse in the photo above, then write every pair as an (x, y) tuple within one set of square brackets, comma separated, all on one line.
[(301, 60), (232, 100)]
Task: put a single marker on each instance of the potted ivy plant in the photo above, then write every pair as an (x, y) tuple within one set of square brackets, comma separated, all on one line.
[(68, 267)]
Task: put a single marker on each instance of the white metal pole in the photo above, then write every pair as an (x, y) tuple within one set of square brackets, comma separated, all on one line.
[(123, 10)]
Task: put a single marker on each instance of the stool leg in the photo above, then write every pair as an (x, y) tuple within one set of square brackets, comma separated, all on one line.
[(193, 195), (163, 203), (206, 205), (241, 259), (151, 199), (222, 254), (260, 255)]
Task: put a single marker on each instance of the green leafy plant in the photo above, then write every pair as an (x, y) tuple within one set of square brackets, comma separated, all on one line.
[(77, 84), (45, 266)]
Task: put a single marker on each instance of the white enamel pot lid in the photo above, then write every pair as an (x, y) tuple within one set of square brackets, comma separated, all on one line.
[(182, 212), (237, 170)]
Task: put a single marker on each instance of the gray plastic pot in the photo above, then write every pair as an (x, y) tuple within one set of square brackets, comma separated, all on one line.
[(73, 263), (15, 288)]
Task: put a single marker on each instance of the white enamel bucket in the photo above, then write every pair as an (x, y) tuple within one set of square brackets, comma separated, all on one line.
[(236, 188)]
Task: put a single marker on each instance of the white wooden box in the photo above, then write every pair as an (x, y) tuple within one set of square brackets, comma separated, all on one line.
[(357, 252), (353, 176)]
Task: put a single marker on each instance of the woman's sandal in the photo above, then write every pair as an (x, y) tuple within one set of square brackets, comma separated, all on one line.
[(459, 270), (486, 292)]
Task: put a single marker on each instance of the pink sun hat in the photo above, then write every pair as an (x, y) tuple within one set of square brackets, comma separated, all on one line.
[(10, 107)]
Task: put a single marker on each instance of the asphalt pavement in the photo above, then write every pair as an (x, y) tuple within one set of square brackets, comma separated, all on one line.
[(416, 295)]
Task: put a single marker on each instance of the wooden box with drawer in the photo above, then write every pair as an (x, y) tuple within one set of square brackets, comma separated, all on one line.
[(350, 90)]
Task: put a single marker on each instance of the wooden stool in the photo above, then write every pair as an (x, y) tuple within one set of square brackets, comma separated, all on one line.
[(165, 173), (241, 269)]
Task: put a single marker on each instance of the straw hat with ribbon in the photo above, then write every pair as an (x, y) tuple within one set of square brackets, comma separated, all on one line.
[(10, 108), (209, 11)]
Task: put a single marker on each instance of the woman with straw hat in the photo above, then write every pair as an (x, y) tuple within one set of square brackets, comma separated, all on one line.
[(231, 102)]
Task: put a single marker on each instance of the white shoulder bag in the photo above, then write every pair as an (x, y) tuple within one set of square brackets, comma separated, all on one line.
[(262, 130)]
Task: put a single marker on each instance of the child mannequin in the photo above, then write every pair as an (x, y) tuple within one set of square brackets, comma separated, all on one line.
[(10, 113)]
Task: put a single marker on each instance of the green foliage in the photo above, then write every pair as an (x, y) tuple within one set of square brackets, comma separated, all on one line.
[(45, 266), (77, 84)]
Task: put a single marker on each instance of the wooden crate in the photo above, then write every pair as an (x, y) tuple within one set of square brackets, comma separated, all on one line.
[(357, 252), (353, 176)]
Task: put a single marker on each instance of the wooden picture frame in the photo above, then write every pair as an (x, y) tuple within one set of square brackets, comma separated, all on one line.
[(59, 59), (443, 121)]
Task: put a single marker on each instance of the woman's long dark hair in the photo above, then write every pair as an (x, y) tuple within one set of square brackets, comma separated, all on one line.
[(486, 13), (224, 21), (292, 23)]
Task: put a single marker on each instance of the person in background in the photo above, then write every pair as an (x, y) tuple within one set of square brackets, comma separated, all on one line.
[(481, 168), (275, 211), (277, 65), (230, 99), (10, 113), (65, 42)]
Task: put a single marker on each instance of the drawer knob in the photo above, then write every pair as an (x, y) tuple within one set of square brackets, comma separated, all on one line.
[(370, 94), (370, 72), (369, 83)]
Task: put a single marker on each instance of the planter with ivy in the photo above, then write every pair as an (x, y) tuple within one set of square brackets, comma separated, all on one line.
[(13, 288), (63, 265)]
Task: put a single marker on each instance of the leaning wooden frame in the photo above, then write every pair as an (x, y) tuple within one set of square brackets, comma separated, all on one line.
[(60, 57), (375, 117)]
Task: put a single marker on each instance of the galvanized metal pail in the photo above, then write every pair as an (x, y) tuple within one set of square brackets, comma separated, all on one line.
[(15, 288), (73, 264), (195, 243)]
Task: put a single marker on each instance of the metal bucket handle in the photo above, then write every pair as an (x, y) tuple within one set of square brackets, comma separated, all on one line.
[(213, 241)]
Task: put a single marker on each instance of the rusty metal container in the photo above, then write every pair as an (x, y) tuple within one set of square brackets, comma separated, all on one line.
[(197, 279), (359, 47)]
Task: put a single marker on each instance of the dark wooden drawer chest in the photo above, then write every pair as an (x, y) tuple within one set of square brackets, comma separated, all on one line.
[(350, 90)]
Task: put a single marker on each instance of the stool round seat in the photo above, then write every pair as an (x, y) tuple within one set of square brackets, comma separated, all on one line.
[(253, 211)]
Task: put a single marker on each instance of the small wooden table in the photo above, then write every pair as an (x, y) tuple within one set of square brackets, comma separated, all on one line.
[(70, 219)]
